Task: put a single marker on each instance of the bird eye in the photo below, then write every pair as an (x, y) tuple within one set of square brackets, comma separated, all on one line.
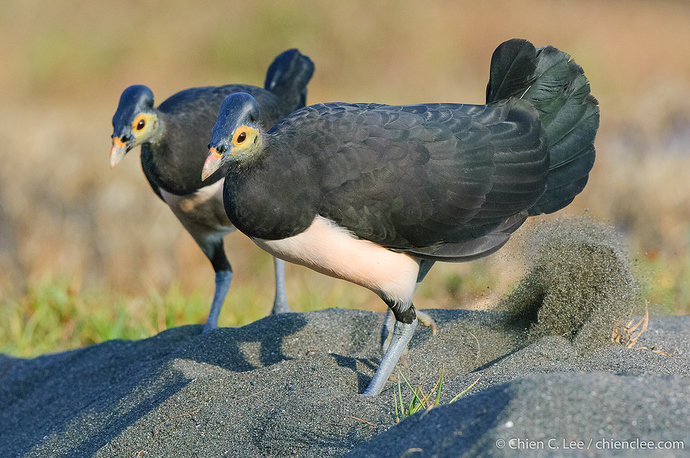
[(141, 124), (240, 137), (242, 134)]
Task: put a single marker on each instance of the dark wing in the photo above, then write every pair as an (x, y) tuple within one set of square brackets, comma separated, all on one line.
[(419, 178), (198, 105), (189, 116)]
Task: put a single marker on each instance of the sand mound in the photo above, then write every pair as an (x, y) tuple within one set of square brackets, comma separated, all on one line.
[(547, 378), (288, 385), (579, 284)]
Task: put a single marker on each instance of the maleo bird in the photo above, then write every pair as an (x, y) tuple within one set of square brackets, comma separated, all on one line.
[(174, 144), (375, 194)]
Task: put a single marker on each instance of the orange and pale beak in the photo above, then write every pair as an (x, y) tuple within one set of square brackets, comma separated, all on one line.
[(117, 152), (212, 163)]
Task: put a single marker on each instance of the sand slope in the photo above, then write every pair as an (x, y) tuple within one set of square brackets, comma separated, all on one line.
[(288, 384)]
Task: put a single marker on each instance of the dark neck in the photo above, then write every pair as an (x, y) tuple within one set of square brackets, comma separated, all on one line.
[(267, 200), (175, 159)]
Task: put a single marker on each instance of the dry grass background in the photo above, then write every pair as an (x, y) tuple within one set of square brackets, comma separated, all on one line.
[(99, 246)]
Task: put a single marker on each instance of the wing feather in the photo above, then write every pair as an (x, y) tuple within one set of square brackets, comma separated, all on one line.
[(413, 178)]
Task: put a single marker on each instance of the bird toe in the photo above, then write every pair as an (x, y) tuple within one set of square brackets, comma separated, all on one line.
[(426, 320)]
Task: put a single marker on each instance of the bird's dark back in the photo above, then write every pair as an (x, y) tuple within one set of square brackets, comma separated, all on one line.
[(175, 163), (405, 176)]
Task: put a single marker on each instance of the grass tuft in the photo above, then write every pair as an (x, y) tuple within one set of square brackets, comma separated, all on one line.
[(421, 400)]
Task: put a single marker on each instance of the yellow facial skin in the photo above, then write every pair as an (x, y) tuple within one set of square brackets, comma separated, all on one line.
[(245, 140), (142, 125), (141, 128)]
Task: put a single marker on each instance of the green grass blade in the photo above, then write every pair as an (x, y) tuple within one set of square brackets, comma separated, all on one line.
[(464, 391), (415, 397), (400, 399), (440, 385)]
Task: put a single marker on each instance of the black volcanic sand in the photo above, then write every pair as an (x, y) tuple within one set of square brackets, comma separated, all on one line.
[(288, 385)]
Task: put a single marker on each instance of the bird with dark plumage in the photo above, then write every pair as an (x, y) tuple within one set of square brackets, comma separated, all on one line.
[(174, 144), (375, 194)]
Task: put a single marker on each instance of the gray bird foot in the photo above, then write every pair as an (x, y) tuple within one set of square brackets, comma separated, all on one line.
[(209, 327), (388, 322), (223, 279), (426, 320), (402, 333), (280, 303)]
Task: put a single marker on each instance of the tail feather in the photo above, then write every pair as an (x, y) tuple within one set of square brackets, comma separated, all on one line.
[(557, 87), (512, 70), (287, 77)]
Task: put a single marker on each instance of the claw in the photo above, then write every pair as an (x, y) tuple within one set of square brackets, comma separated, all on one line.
[(426, 320)]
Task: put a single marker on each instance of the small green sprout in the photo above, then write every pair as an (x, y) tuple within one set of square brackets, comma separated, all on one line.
[(421, 400)]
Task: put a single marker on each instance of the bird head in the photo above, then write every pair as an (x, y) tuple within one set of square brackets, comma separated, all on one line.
[(235, 134), (134, 122)]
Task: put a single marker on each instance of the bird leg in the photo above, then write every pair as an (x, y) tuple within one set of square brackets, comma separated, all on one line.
[(402, 333), (388, 322), (280, 303), (223, 278), (223, 269), (386, 331)]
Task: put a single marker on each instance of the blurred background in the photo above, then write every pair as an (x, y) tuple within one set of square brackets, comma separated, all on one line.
[(88, 253)]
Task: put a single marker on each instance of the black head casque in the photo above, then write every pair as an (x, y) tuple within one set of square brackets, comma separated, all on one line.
[(134, 101)]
